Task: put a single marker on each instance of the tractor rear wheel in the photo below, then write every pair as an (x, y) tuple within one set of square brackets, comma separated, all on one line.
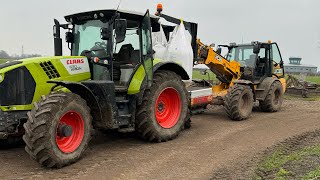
[(164, 110), (239, 102), (58, 129), (274, 98)]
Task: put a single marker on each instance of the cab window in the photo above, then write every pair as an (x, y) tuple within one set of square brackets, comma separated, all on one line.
[(275, 55)]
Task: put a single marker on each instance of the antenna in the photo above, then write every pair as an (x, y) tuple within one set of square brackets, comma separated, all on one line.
[(119, 5)]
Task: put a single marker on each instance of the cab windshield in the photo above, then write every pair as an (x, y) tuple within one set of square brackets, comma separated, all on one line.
[(87, 37), (244, 55)]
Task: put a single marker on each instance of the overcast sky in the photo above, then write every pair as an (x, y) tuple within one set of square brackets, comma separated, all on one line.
[(294, 24)]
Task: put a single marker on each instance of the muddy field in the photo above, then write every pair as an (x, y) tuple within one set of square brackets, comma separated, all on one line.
[(214, 147)]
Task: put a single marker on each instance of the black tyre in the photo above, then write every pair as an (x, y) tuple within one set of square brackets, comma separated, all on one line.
[(164, 111), (58, 129), (274, 98), (239, 102)]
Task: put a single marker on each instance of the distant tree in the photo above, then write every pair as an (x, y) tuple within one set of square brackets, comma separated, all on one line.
[(4, 55)]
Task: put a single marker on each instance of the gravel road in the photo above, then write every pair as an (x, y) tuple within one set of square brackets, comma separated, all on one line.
[(213, 144)]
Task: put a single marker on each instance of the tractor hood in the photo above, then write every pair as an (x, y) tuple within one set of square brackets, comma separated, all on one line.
[(66, 65), (24, 81)]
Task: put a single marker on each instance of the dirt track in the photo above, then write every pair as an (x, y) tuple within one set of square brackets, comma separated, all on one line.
[(212, 144)]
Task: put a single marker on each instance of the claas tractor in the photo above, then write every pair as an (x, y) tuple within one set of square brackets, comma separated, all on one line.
[(247, 73), (22, 82), (128, 89)]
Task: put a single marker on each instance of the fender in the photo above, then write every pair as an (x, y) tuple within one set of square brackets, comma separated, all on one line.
[(245, 82), (83, 92), (263, 88), (137, 82), (171, 66)]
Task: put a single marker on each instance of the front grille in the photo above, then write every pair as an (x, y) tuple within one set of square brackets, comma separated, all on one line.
[(17, 88), (50, 70)]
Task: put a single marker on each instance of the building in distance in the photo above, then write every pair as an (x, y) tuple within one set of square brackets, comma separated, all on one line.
[(295, 67)]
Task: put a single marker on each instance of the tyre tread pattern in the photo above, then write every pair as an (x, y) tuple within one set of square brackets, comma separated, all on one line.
[(267, 104), (144, 126), (232, 101), (36, 135)]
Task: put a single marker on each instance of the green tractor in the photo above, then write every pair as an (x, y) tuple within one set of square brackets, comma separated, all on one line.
[(22, 82), (129, 90)]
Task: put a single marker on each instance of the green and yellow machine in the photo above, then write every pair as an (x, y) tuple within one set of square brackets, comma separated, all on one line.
[(22, 82), (128, 89)]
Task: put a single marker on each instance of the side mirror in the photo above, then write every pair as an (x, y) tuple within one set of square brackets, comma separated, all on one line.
[(281, 64), (105, 33), (256, 48), (69, 37), (219, 50), (120, 29)]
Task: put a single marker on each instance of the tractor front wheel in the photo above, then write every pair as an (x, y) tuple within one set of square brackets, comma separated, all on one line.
[(58, 130), (164, 109), (239, 102)]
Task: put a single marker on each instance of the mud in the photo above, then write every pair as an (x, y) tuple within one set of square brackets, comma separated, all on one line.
[(214, 147)]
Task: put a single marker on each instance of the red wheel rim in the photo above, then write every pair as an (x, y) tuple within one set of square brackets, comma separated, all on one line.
[(168, 108), (74, 120)]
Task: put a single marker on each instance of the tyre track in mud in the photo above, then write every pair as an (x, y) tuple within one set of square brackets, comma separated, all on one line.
[(213, 143)]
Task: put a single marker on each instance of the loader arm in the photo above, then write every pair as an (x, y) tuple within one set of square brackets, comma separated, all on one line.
[(225, 71)]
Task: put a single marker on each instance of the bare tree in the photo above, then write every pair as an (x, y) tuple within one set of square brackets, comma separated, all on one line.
[(4, 55)]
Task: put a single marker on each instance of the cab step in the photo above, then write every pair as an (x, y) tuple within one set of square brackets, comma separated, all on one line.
[(121, 89)]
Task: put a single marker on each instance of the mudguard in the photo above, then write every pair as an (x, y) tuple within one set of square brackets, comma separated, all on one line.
[(263, 88), (137, 81), (85, 93)]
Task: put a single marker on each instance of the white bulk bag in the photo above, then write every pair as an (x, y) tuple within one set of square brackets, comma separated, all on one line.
[(160, 44), (180, 50)]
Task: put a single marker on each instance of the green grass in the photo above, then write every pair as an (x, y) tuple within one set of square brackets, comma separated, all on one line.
[(314, 79), (3, 61), (197, 75), (279, 158), (292, 97), (313, 174)]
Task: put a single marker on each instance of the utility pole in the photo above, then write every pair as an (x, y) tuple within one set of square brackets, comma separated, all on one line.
[(22, 52)]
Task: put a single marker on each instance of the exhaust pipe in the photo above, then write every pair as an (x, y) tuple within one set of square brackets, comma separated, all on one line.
[(57, 38)]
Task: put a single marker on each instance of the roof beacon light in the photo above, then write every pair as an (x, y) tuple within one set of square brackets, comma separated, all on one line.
[(269, 41), (159, 8)]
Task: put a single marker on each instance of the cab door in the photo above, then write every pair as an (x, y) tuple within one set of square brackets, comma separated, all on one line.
[(146, 47), (277, 63)]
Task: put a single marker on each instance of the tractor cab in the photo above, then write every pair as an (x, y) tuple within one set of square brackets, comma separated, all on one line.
[(258, 60), (114, 42), (117, 42)]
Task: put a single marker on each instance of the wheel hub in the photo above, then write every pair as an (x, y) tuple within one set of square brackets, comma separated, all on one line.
[(64, 130), (161, 107)]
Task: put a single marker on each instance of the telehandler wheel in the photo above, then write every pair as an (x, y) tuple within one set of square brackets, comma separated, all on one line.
[(164, 110), (239, 102), (58, 129), (274, 98)]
